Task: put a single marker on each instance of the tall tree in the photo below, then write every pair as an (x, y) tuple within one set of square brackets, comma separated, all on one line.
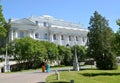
[(117, 39), (4, 30), (118, 22), (99, 42)]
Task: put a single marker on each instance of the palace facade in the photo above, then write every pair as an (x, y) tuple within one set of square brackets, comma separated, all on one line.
[(48, 28)]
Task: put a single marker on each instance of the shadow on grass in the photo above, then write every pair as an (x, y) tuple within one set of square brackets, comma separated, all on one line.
[(60, 82), (100, 74)]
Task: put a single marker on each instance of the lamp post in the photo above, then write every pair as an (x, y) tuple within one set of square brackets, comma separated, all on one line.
[(13, 45), (6, 64), (75, 61)]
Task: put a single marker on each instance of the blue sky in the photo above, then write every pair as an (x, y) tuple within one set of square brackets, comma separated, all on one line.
[(78, 11)]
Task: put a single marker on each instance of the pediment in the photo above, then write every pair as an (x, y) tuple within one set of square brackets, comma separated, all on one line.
[(23, 21)]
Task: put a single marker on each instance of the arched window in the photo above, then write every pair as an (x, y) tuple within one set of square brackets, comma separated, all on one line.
[(76, 38), (45, 36), (83, 39), (36, 35), (54, 37), (69, 38), (62, 37), (20, 34), (45, 24)]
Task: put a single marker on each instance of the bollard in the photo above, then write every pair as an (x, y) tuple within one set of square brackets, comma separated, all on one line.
[(71, 81), (57, 75), (68, 69)]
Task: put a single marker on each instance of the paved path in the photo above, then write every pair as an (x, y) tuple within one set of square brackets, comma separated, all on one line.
[(35, 76)]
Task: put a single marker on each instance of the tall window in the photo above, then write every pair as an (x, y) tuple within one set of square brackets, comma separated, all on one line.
[(20, 34), (54, 37), (36, 35), (76, 38), (45, 24), (69, 38), (46, 36), (83, 39), (62, 37)]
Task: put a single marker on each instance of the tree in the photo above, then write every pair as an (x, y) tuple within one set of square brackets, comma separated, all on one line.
[(118, 22), (117, 39), (61, 50), (99, 42), (29, 51), (65, 55), (4, 30), (52, 51), (81, 52)]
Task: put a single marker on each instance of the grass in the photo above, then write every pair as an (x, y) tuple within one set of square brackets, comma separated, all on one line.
[(87, 76)]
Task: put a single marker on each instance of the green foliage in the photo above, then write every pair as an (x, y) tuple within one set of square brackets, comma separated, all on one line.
[(118, 22), (68, 58), (32, 52), (100, 40), (29, 49), (61, 50), (65, 55), (28, 52), (52, 51), (107, 61), (81, 52), (117, 39), (4, 30)]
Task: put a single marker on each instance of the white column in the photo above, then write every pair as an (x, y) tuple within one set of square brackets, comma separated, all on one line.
[(59, 39), (16, 34), (51, 37), (33, 35), (30, 34), (75, 42), (80, 40), (85, 40)]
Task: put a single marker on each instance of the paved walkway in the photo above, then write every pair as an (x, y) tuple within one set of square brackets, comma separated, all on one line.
[(35, 76)]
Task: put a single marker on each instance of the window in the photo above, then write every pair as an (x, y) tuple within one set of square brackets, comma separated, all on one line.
[(62, 37), (45, 24), (76, 38), (83, 39), (20, 34), (46, 36), (36, 35), (69, 38), (54, 37)]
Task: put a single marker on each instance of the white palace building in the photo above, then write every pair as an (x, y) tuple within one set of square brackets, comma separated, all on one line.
[(48, 28)]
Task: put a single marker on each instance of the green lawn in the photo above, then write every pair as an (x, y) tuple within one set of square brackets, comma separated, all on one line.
[(87, 76)]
